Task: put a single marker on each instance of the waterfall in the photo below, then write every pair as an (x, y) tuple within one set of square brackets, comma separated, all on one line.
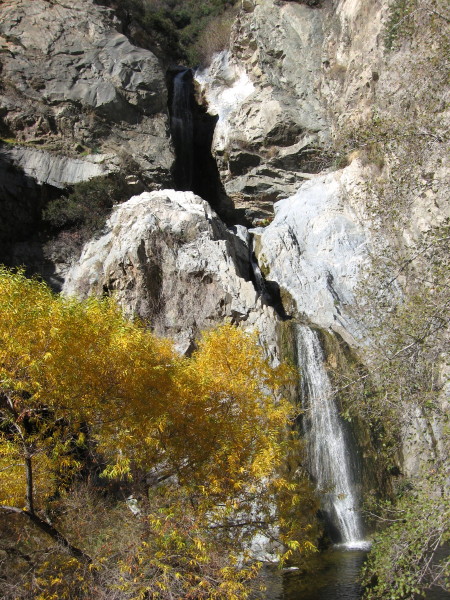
[(192, 129), (328, 451), (182, 128)]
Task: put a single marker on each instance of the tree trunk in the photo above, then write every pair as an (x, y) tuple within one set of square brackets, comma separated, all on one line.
[(29, 478)]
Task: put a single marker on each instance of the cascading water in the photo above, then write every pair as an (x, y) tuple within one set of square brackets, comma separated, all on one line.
[(182, 128), (327, 448)]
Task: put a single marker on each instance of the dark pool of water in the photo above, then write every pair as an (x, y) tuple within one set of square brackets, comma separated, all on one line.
[(336, 578)]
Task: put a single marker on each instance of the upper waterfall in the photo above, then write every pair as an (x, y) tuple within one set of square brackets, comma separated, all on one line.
[(192, 131), (182, 128), (327, 448)]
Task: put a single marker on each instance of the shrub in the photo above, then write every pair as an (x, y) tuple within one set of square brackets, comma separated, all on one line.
[(78, 216), (178, 27), (400, 22), (213, 38), (407, 554), (87, 205)]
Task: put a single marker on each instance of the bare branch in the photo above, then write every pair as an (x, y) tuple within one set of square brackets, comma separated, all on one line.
[(51, 531)]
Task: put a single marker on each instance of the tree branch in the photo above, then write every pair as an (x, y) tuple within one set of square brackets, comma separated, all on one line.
[(238, 524), (51, 531), (29, 480)]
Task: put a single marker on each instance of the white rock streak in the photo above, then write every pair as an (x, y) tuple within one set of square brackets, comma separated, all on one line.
[(314, 249), (226, 86)]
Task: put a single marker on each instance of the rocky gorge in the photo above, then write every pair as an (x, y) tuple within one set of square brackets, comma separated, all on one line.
[(325, 209)]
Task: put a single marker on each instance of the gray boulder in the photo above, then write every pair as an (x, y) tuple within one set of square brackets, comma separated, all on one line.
[(167, 257)]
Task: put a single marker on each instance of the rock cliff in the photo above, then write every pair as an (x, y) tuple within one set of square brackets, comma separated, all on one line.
[(323, 108), (77, 101), (74, 85), (277, 128)]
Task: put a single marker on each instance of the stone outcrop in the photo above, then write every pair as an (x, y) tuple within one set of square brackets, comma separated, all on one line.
[(275, 126), (314, 249), (167, 257), (74, 85), (56, 170), (304, 89)]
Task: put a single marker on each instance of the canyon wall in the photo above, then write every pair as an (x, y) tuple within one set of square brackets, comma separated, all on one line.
[(331, 142)]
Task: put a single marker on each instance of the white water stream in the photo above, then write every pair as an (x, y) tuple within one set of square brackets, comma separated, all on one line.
[(327, 449)]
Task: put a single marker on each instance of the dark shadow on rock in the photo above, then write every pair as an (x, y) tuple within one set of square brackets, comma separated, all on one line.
[(22, 200), (273, 293), (192, 131)]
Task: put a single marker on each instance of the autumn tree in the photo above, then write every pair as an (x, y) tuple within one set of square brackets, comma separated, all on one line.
[(203, 443)]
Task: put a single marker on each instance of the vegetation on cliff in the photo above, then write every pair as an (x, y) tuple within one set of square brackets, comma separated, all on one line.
[(87, 204), (98, 416), (76, 216), (405, 301), (410, 554), (403, 401), (181, 30)]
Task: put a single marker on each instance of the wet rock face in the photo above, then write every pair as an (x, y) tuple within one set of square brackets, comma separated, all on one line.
[(75, 84), (192, 131)]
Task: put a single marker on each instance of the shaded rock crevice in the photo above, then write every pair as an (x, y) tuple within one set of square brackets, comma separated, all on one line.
[(192, 131), (268, 291)]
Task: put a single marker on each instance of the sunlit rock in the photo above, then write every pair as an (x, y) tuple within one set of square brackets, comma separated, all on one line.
[(167, 257)]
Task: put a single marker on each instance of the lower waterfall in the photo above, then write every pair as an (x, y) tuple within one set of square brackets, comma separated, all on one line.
[(328, 453)]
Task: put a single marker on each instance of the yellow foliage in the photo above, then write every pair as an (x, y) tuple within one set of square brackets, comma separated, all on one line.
[(77, 377)]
